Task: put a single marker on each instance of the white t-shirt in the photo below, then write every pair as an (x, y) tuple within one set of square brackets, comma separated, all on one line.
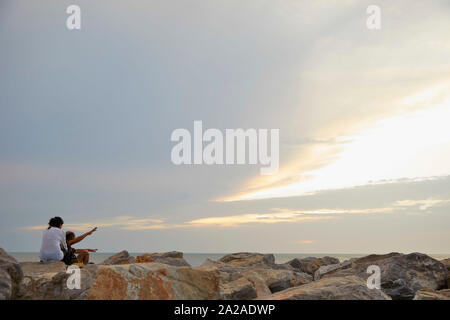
[(52, 240)]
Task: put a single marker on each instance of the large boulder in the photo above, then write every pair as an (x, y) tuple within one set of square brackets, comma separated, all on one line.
[(311, 264), (10, 276), (122, 257), (336, 288), (401, 274), (143, 281), (37, 278), (432, 295), (247, 259)]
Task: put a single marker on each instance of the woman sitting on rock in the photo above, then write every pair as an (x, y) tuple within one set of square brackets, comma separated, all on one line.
[(53, 241), (82, 254)]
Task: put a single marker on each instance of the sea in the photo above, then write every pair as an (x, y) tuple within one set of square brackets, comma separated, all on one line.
[(196, 259)]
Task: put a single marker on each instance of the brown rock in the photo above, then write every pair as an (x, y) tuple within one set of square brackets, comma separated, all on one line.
[(246, 259), (173, 258), (10, 276), (146, 281), (150, 257), (122, 257), (432, 295), (336, 288), (311, 264)]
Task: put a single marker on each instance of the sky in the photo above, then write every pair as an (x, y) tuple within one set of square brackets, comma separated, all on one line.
[(86, 118)]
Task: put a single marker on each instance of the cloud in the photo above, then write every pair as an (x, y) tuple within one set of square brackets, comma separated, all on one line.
[(122, 222), (422, 204), (379, 152), (306, 241), (275, 215), (280, 216)]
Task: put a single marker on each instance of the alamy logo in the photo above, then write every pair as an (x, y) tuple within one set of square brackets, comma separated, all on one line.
[(374, 20), (234, 150), (73, 21), (374, 280), (74, 280)]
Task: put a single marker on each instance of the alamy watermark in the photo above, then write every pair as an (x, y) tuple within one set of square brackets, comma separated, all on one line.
[(73, 21), (374, 20), (236, 146), (374, 280), (74, 280)]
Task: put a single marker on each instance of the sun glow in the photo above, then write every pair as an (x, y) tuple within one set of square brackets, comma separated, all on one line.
[(410, 145)]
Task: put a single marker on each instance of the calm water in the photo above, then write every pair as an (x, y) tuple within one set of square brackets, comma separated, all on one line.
[(196, 259)]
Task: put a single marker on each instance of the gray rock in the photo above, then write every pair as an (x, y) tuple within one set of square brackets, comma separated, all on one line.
[(401, 274), (335, 288), (264, 280), (323, 270), (179, 262), (38, 279), (10, 276), (239, 289)]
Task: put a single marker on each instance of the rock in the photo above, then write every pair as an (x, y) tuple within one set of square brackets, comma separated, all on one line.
[(330, 268), (146, 257), (246, 259), (278, 280), (239, 289), (311, 264), (432, 295), (260, 270), (38, 278), (143, 281), (173, 258), (212, 263), (10, 276), (171, 254), (34, 269), (173, 261), (258, 283), (446, 262), (401, 274), (265, 281), (122, 257), (336, 288)]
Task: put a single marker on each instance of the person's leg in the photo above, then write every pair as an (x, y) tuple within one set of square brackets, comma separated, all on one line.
[(83, 256)]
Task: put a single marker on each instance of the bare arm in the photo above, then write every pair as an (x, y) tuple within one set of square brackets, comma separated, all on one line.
[(79, 238), (89, 250)]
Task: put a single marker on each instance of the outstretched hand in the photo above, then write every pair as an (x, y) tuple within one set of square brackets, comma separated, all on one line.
[(92, 231), (92, 250)]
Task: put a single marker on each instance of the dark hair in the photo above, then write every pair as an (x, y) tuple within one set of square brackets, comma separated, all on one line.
[(55, 222), (69, 235)]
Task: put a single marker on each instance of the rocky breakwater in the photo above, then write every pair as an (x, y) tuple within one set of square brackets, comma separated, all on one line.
[(402, 275), (234, 276), (10, 276)]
